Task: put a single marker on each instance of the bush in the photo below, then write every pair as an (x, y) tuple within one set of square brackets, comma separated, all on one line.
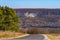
[(23, 30), (33, 31)]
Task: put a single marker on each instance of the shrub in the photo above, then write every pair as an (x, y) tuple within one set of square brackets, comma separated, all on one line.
[(33, 31)]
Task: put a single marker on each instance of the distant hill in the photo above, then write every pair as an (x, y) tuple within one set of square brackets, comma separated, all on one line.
[(41, 18)]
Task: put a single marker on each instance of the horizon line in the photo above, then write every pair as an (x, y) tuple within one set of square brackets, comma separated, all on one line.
[(36, 8)]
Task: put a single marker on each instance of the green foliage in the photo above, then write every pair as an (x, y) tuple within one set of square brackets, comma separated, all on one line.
[(8, 19)]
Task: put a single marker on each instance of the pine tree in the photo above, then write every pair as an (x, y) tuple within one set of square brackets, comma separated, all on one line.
[(8, 19)]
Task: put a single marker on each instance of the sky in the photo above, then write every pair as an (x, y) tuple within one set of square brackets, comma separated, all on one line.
[(31, 3)]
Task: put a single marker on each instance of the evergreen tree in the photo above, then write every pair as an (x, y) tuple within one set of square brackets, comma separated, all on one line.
[(8, 19)]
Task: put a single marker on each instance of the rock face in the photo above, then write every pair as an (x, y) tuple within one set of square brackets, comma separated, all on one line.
[(39, 17)]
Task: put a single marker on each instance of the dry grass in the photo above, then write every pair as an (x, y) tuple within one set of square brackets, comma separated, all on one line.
[(53, 36), (8, 34)]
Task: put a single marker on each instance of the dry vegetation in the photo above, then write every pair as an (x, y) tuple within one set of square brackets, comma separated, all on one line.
[(34, 30), (54, 36), (51, 37), (8, 34), (52, 33)]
